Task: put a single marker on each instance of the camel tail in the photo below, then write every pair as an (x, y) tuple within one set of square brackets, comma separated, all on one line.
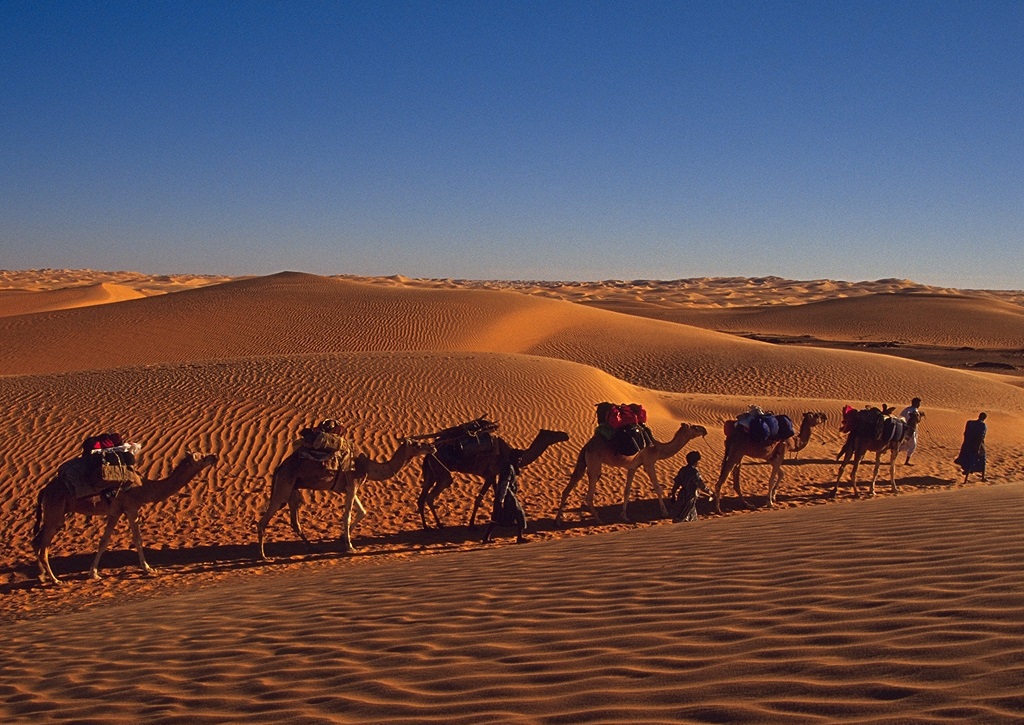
[(847, 447)]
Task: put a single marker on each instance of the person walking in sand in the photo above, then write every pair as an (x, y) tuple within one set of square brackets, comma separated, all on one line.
[(687, 486), (507, 510), (972, 452), (909, 445)]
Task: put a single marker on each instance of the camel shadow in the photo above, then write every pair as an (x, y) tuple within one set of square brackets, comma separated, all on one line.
[(223, 558), (641, 511)]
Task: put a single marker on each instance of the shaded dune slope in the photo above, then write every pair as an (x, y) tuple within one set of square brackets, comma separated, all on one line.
[(21, 302), (918, 319)]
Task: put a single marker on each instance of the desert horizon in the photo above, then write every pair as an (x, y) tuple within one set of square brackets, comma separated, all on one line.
[(819, 609)]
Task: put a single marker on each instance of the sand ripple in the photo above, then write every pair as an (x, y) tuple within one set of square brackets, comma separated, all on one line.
[(789, 617)]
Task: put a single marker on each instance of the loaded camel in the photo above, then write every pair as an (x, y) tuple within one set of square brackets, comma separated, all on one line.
[(437, 467), (56, 501), (296, 473), (599, 451), (739, 445), (862, 439)]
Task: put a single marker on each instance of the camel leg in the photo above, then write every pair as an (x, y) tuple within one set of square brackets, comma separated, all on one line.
[(874, 476), (652, 473), (839, 478), (48, 528), (427, 479), (294, 506), (736, 485), (593, 474), (360, 512), (847, 457), (351, 497), (434, 482), (894, 453), (630, 474), (133, 522), (573, 480), (726, 470), (488, 483), (279, 495), (43, 560), (857, 457), (111, 524), (774, 479)]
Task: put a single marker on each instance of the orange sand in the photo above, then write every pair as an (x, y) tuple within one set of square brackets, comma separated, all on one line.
[(899, 607)]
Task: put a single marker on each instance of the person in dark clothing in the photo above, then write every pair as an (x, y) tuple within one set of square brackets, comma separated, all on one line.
[(507, 511), (687, 486), (972, 452)]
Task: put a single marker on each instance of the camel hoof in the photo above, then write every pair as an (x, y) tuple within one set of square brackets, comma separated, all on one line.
[(95, 575)]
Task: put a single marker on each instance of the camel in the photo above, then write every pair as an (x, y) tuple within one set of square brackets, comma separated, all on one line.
[(858, 444), (437, 468), (738, 445), (297, 472), (599, 451), (56, 501)]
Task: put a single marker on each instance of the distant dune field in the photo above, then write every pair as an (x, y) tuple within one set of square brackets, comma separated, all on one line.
[(790, 615)]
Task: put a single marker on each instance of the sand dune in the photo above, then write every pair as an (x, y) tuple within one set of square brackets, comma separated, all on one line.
[(915, 319), (20, 302), (903, 606), (902, 610), (289, 314)]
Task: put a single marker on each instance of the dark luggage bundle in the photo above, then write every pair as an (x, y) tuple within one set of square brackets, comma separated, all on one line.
[(762, 426), (621, 415), (872, 422), (631, 439), (625, 426), (333, 450), (466, 439), (110, 458)]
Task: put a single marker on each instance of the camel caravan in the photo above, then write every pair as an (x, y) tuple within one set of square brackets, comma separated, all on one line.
[(104, 479)]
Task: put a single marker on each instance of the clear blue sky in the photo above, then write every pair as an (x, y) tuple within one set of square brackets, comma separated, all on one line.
[(516, 140)]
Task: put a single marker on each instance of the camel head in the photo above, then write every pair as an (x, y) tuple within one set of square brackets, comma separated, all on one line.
[(196, 462), (814, 418), (691, 431), (553, 436), (416, 447)]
